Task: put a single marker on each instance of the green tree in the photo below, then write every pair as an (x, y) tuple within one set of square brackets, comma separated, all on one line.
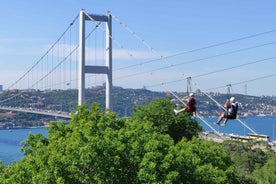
[(98, 147), (160, 112), (247, 157), (200, 161), (252, 163), (266, 174)]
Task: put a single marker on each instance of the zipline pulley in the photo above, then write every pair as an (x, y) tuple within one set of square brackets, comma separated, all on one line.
[(189, 85), (228, 91)]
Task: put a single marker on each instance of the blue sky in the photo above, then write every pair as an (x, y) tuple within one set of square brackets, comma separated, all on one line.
[(169, 27)]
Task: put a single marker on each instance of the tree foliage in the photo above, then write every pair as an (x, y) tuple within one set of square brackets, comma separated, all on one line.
[(160, 113), (252, 162), (98, 147), (267, 173)]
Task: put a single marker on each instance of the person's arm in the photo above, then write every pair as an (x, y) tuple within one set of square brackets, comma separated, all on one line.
[(184, 98), (226, 103)]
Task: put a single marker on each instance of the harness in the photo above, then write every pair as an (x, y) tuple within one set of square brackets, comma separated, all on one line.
[(233, 109), (191, 105)]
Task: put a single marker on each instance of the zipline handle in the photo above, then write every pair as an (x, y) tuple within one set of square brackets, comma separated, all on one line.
[(228, 91)]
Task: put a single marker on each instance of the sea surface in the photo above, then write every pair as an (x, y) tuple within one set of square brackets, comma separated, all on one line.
[(264, 125), (10, 143), (10, 139)]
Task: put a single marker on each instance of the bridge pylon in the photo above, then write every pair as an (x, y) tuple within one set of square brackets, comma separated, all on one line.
[(83, 68)]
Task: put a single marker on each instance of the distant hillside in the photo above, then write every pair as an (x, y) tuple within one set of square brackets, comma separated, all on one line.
[(125, 100)]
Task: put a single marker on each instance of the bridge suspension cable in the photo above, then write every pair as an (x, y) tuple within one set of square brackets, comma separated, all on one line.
[(40, 60), (111, 37), (53, 67), (57, 54), (47, 52)]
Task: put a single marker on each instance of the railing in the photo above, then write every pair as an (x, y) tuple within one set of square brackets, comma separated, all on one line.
[(38, 111)]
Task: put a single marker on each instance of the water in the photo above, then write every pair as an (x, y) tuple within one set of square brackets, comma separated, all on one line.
[(10, 139), (261, 125), (10, 143)]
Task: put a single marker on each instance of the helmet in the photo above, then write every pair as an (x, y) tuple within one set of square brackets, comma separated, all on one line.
[(192, 95), (232, 99)]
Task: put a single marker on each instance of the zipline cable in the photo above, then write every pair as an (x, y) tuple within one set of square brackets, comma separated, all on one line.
[(212, 72), (200, 117), (218, 104), (152, 50), (198, 49), (243, 82), (200, 59), (214, 45)]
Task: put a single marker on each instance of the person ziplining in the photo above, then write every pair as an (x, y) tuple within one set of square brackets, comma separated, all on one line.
[(191, 105), (190, 100), (231, 107)]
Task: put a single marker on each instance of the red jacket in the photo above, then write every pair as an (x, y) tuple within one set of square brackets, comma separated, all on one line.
[(191, 106)]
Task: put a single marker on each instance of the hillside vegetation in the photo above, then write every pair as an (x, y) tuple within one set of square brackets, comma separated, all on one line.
[(124, 102)]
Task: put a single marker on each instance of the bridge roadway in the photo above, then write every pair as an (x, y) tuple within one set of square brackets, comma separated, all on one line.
[(37, 111)]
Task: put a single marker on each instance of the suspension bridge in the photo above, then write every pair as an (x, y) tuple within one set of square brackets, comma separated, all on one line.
[(83, 57)]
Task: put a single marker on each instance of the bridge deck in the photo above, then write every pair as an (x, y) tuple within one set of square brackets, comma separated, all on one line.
[(38, 111)]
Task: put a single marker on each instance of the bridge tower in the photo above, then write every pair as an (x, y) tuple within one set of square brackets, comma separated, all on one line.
[(83, 68)]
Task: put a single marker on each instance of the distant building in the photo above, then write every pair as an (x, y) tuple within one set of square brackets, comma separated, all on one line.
[(1, 87)]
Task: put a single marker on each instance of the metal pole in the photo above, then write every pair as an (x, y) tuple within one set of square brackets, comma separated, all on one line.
[(228, 91), (109, 85), (189, 88), (81, 58)]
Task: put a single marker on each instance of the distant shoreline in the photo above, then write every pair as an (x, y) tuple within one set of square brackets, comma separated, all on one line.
[(16, 128)]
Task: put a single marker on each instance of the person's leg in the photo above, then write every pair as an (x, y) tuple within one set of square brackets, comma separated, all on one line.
[(219, 119), (225, 121), (227, 118), (178, 111), (182, 110)]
